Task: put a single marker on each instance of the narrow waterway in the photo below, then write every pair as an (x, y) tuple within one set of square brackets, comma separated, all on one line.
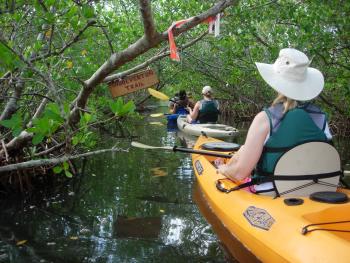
[(126, 207), (135, 206)]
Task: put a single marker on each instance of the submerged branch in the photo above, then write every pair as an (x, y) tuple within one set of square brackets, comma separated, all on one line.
[(54, 161)]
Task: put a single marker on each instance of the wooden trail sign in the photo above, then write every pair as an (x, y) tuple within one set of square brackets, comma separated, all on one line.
[(140, 80)]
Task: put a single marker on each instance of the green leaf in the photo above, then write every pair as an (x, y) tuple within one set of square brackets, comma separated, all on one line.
[(8, 59), (31, 129), (68, 174), (16, 131), (53, 112), (116, 106), (15, 123), (72, 11), (88, 12), (57, 169), (87, 117), (66, 108), (127, 108), (7, 123), (38, 138), (42, 125), (75, 140), (37, 46), (65, 166), (49, 2)]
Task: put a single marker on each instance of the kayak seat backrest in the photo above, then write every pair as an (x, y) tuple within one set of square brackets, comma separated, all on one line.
[(319, 162)]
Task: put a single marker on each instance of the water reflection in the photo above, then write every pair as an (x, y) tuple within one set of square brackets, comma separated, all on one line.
[(93, 218), (230, 245), (144, 227)]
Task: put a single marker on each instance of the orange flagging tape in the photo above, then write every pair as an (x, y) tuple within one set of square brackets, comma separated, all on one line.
[(212, 21)]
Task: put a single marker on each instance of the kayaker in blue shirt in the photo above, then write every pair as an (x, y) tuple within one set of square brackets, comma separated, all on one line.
[(179, 104), (290, 120), (206, 110)]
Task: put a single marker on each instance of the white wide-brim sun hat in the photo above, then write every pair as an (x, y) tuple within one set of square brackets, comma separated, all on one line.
[(291, 75)]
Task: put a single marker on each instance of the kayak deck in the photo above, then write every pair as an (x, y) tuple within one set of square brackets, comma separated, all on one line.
[(262, 223)]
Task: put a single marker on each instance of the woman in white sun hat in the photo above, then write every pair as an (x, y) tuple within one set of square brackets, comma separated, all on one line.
[(289, 121), (205, 110)]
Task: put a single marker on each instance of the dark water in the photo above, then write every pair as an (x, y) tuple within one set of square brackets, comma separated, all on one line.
[(126, 207), (137, 206)]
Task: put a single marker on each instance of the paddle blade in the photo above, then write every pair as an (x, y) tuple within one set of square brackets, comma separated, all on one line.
[(144, 146), (157, 94), (155, 115), (156, 123)]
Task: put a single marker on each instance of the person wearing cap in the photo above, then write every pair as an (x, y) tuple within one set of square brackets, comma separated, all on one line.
[(289, 121), (205, 110)]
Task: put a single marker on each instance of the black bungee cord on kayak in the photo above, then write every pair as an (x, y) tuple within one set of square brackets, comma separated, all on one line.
[(305, 229), (272, 178), (306, 185)]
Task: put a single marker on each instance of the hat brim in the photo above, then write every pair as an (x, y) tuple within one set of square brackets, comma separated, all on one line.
[(304, 90)]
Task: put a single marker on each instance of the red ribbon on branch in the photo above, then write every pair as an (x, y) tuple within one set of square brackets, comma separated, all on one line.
[(214, 24)]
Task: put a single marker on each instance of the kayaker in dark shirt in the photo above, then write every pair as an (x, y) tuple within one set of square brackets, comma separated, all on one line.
[(179, 104), (206, 110), (287, 122)]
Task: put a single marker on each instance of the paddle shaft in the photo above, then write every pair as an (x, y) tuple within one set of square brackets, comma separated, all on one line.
[(189, 150)]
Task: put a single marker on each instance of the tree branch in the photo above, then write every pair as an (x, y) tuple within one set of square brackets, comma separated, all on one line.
[(151, 60), (25, 136), (43, 5), (11, 105), (217, 8), (54, 161), (5, 76), (147, 18), (332, 105), (261, 40), (75, 39), (56, 147), (107, 37)]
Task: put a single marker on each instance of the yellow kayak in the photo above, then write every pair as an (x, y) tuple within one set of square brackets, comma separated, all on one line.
[(270, 229)]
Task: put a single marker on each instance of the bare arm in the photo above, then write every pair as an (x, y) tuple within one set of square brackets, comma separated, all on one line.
[(173, 108), (193, 114), (244, 161)]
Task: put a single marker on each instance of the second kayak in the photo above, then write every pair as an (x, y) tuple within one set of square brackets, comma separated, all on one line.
[(212, 130)]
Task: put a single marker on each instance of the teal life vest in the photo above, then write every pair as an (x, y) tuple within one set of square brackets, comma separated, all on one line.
[(303, 124), (208, 111), (306, 123)]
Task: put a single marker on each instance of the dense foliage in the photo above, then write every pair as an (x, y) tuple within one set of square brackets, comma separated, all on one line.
[(256, 31)]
